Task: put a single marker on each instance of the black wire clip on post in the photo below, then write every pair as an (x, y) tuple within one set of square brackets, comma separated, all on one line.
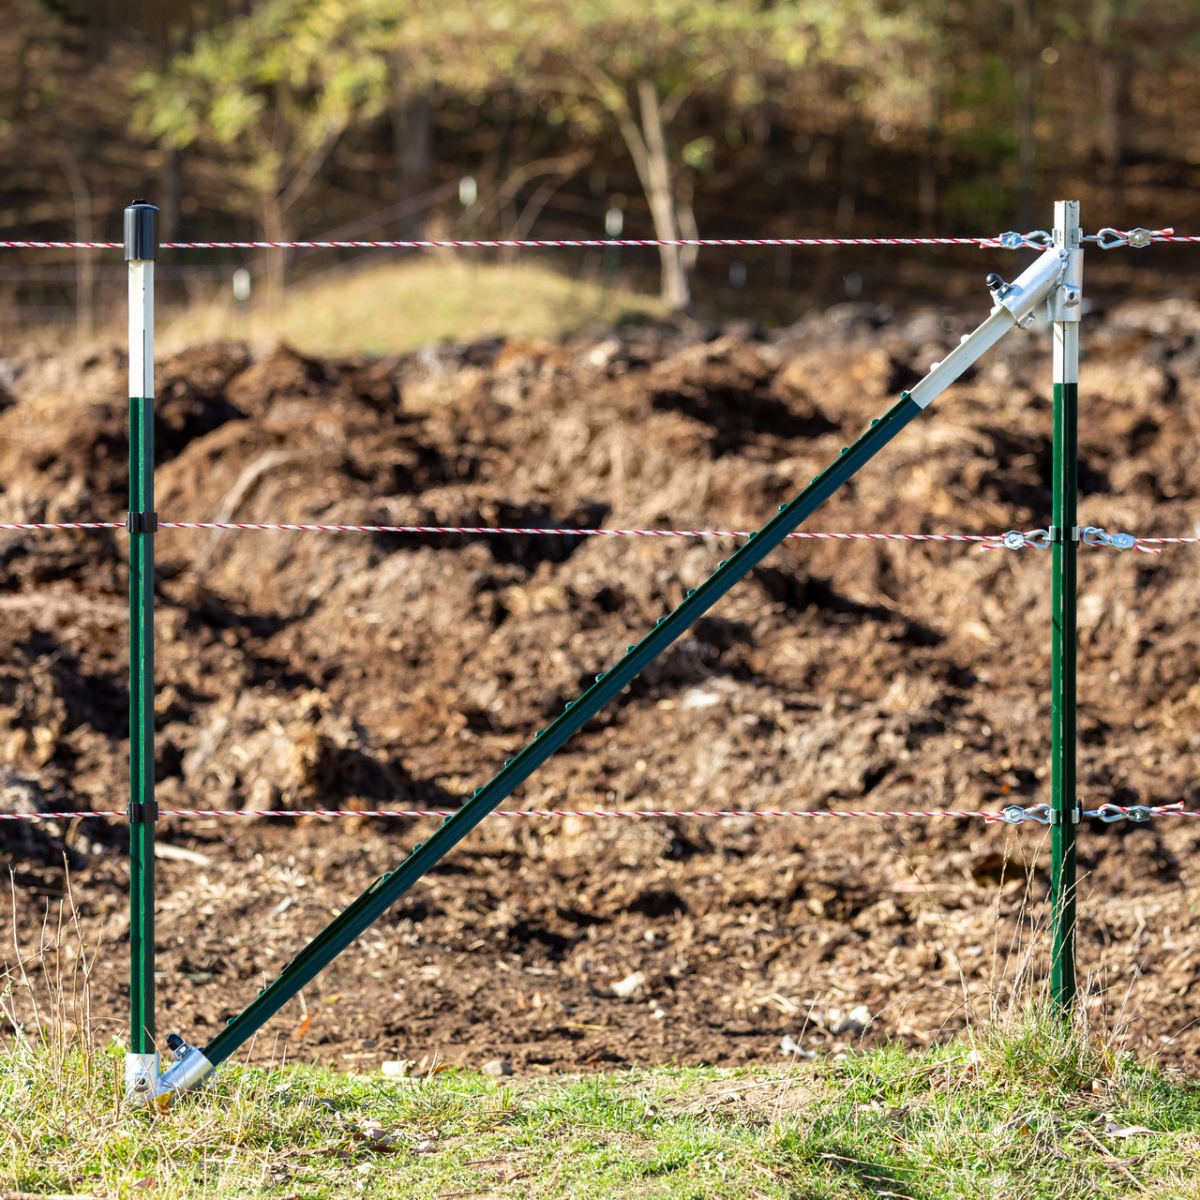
[(141, 522)]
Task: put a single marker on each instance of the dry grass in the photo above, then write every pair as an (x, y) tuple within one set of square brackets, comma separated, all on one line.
[(394, 307)]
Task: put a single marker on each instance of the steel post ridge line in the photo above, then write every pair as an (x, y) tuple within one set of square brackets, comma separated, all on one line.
[(1066, 310), (142, 1060), (1014, 305)]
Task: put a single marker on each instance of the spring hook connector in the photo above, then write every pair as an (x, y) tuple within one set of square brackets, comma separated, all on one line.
[(1037, 239), (1110, 814), (1016, 539), (1015, 814), (1093, 535)]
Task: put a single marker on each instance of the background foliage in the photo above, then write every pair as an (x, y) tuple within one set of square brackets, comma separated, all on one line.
[(285, 118)]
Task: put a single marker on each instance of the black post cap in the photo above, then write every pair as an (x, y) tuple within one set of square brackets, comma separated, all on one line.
[(141, 240)]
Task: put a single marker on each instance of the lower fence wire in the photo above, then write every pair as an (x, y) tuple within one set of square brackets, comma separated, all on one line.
[(1014, 814), (1014, 539)]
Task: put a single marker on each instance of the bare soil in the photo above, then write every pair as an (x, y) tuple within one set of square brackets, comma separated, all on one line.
[(354, 671)]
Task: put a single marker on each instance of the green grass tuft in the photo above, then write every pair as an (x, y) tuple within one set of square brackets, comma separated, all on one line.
[(1033, 1111)]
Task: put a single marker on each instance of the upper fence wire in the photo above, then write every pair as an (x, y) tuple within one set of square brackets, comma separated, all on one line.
[(1039, 239)]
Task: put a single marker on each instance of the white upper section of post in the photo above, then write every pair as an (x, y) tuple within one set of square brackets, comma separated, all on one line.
[(141, 328), (1066, 305)]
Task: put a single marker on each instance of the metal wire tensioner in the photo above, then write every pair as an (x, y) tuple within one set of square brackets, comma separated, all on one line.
[(1042, 814), (1089, 535), (1113, 239), (1139, 814)]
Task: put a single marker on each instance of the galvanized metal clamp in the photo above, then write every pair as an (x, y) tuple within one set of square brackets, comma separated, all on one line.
[(1112, 239)]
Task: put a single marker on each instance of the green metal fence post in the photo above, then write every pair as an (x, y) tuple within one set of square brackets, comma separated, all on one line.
[(1065, 312), (141, 249)]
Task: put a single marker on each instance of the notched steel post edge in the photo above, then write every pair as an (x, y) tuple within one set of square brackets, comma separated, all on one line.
[(141, 250), (1065, 311)]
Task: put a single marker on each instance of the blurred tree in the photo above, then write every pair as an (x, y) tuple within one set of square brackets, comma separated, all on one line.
[(166, 24), (274, 90), (279, 86), (1027, 41), (161, 28), (1114, 41), (633, 66)]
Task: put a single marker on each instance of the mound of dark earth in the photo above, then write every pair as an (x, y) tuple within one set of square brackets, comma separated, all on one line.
[(357, 671)]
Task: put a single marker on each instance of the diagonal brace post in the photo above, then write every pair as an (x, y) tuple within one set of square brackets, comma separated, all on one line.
[(1011, 308)]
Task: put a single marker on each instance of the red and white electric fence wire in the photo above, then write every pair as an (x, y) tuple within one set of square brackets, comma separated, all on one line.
[(1106, 239), (1108, 811), (997, 242), (413, 813), (988, 541)]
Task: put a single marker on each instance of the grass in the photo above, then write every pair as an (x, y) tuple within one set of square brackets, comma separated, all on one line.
[(1027, 1107), (1034, 1111), (396, 307)]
